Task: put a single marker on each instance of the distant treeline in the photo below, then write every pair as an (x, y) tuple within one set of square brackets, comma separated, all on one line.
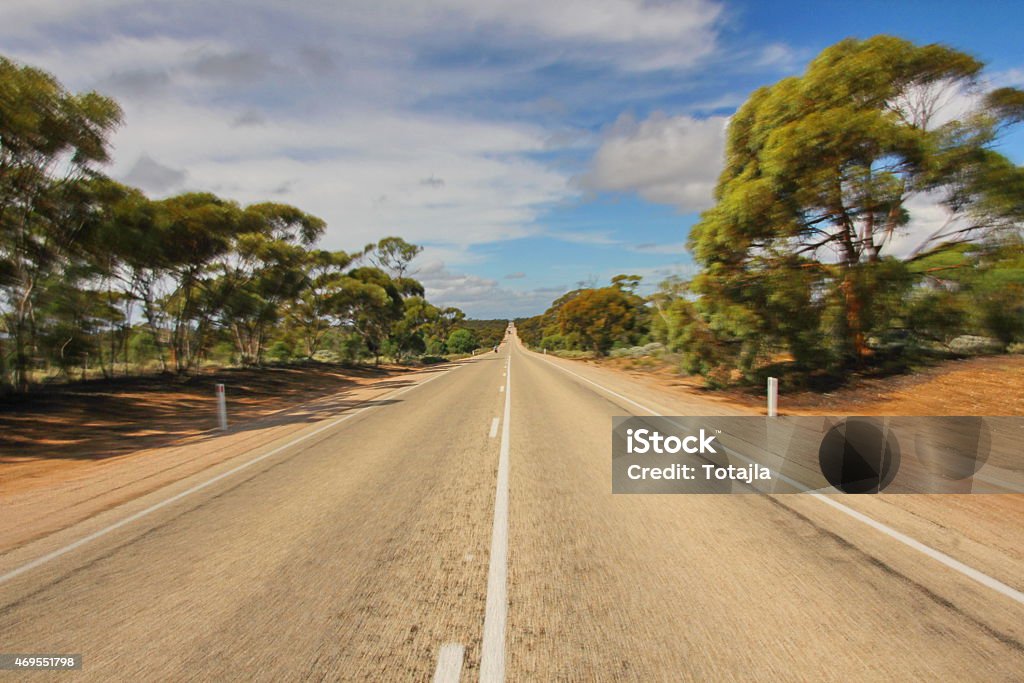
[(486, 333), (806, 260), (95, 274)]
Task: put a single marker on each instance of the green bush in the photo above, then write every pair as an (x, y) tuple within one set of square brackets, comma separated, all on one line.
[(350, 348), (435, 347), (223, 353), (142, 348), (1002, 313), (462, 341), (280, 352), (936, 315), (575, 354), (326, 356), (554, 342)]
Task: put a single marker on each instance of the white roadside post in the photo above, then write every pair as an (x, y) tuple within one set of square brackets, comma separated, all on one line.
[(773, 397), (222, 407)]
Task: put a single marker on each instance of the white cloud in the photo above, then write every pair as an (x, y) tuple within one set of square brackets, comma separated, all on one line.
[(482, 297), (778, 55), (594, 237), (103, 61), (1008, 78), (153, 176), (34, 12), (651, 248), (362, 172), (632, 34), (928, 217), (729, 100), (666, 159), (654, 35), (610, 21), (365, 113), (369, 167)]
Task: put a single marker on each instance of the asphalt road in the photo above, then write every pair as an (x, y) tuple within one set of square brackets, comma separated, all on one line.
[(465, 526)]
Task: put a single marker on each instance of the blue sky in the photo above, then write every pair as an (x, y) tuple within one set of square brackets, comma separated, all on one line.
[(529, 145)]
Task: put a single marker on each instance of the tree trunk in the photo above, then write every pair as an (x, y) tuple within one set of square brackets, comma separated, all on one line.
[(854, 318), (149, 311), (21, 355)]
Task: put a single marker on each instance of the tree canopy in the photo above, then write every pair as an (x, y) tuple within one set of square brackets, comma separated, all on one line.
[(51, 142), (821, 253), (798, 252), (93, 268)]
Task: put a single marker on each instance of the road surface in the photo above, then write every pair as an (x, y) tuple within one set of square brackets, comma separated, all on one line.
[(464, 528)]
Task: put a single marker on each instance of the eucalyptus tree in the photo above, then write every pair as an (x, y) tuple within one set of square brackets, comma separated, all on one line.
[(319, 305), (447, 319), (393, 255), (672, 312), (262, 270), (409, 333), (820, 170), (194, 231), (126, 259), (373, 302), (439, 330), (51, 143), (598, 318)]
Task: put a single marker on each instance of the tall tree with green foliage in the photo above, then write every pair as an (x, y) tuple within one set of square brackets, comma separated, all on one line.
[(818, 174), (91, 269), (195, 230), (393, 255), (373, 304), (672, 312), (127, 247), (318, 306), (408, 334), (51, 142), (262, 271)]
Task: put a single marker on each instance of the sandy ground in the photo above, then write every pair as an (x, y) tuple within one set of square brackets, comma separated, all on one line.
[(976, 386), (103, 419)]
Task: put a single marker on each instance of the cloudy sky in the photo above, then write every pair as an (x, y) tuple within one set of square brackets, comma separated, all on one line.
[(529, 145)]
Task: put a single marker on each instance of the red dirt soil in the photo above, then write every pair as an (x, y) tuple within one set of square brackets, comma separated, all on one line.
[(106, 418), (992, 385), (101, 419)]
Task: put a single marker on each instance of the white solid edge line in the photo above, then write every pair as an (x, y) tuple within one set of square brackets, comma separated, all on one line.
[(937, 555), (494, 427), (449, 663), (492, 651), (198, 487)]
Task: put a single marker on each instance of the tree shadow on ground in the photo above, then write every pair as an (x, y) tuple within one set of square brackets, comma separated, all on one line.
[(107, 418)]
